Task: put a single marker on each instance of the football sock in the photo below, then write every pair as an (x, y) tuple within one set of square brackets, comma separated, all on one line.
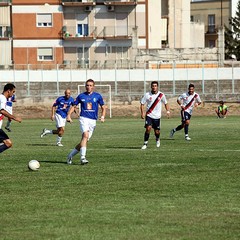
[(83, 151), (186, 129), (146, 137), (73, 152), (157, 136), (3, 147), (178, 128), (59, 139), (8, 124)]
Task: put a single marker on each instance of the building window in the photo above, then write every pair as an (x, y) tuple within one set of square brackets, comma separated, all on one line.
[(211, 23), (192, 18), (211, 44), (82, 29), (44, 20), (45, 54)]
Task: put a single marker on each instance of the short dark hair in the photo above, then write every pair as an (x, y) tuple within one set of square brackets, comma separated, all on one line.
[(154, 82), (191, 85), (90, 80), (8, 86), (221, 102)]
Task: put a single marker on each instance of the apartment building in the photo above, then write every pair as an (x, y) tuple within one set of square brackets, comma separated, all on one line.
[(97, 33), (214, 14), (5, 33)]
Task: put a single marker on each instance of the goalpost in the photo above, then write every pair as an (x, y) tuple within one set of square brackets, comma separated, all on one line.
[(107, 95)]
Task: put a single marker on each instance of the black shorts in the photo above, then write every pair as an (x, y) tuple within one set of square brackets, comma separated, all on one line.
[(155, 123), (3, 136), (185, 116)]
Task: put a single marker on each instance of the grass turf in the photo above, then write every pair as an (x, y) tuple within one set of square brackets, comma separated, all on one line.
[(184, 190)]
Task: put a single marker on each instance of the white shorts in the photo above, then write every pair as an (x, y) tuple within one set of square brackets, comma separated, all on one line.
[(60, 121), (87, 125)]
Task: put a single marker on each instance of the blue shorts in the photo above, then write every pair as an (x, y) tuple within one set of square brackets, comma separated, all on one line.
[(185, 116), (155, 123), (3, 136)]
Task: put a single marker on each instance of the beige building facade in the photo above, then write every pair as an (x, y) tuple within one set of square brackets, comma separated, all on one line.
[(93, 33)]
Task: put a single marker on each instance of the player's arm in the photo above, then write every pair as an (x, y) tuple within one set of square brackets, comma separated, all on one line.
[(71, 110), (167, 109), (103, 109), (142, 111), (53, 112), (10, 116), (179, 101)]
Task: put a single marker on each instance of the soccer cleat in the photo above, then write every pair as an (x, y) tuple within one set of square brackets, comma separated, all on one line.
[(8, 129), (69, 160), (158, 143), (44, 132), (144, 147), (172, 133), (84, 161), (59, 144), (187, 138)]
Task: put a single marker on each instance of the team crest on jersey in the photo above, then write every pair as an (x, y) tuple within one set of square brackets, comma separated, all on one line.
[(94, 99), (150, 98)]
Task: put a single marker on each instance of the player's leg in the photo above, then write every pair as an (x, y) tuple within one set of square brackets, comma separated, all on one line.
[(148, 127), (179, 127), (5, 142), (156, 126), (7, 127)]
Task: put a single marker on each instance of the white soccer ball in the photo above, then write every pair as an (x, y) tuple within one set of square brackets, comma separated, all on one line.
[(33, 165)]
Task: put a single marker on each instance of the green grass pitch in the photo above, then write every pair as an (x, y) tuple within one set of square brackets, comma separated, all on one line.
[(184, 190)]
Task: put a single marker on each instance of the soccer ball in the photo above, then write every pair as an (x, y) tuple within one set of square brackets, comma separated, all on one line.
[(33, 165)]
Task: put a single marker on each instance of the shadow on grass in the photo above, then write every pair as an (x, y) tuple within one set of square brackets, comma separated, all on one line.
[(41, 144)]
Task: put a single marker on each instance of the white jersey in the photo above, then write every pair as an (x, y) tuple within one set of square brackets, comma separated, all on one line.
[(3, 102), (154, 104), (188, 101)]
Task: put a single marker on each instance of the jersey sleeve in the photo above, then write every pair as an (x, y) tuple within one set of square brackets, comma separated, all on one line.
[(101, 102), (164, 99), (56, 102), (143, 99)]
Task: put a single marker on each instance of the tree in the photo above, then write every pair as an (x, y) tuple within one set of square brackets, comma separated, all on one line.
[(232, 36)]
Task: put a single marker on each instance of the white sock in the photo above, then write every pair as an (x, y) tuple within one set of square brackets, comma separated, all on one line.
[(48, 131), (73, 152), (8, 124), (59, 139), (83, 151)]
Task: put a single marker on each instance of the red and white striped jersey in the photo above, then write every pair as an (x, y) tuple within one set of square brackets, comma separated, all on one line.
[(189, 100), (154, 104)]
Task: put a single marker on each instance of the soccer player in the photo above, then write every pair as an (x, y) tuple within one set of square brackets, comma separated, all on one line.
[(59, 112), (8, 91), (9, 109), (154, 100), (89, 101), (186, 101), (222, 110)]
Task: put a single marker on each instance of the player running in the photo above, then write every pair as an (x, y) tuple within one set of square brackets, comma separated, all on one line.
[(187, 101), (59, 112), (8, 91), (154, 100), (89, 101)]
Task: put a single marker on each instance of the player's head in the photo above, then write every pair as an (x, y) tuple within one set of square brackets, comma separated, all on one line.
[(221, 102), (154, 86), (90, 85), (9, 90), (67, 93), (191, 88)]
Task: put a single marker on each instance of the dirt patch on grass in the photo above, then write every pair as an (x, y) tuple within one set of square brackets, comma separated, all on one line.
[(123, 110)]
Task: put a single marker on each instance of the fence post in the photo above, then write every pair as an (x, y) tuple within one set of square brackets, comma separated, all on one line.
[(174, 86), (57, 82), (116, 84), (233, 81), (203, 82), (28, 87)]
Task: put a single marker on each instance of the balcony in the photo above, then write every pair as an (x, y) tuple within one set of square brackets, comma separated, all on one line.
[(119, 2), (212, 30), (5, 2), (79, 32), (78, 2), (85, 32)]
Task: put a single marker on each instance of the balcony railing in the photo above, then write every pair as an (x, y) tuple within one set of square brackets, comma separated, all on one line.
[(5, 2), (78, 2), (119, 2), (90, 32), (212, 29)]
